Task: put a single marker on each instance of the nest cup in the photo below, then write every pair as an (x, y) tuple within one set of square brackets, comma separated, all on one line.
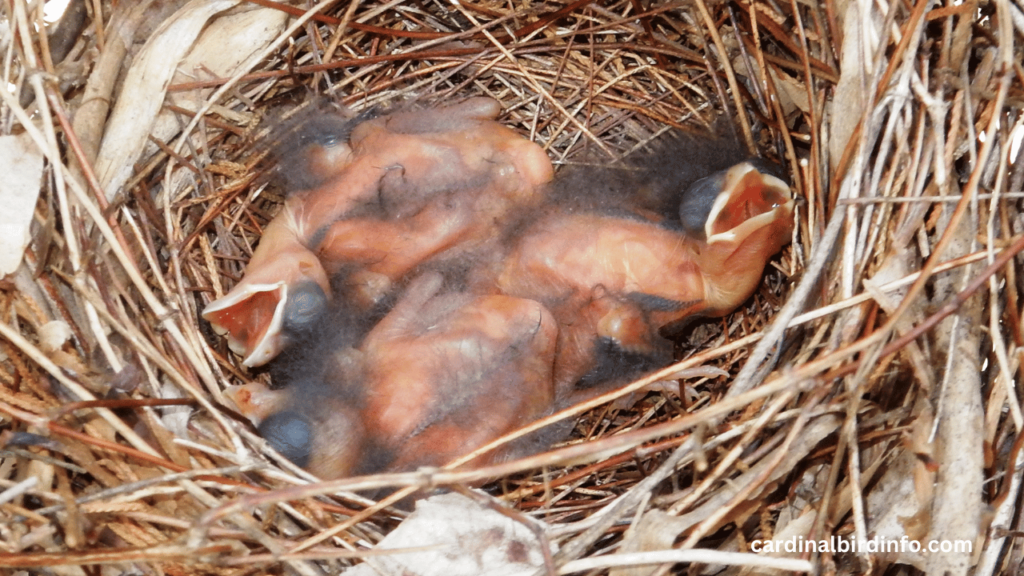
[(868, 389)]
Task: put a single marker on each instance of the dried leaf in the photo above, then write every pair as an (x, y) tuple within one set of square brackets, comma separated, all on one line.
[(21, 163), (860, 43), (791, 92), (53, 335), (653, 532), (892, 505), (144, 87), (465, 538), (958, 507), (220, 51)]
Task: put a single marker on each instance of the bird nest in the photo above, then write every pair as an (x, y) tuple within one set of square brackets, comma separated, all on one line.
[(871, 394)]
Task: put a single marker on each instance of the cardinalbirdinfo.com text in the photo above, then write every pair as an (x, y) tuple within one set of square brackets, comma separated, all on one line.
[(878, 544)]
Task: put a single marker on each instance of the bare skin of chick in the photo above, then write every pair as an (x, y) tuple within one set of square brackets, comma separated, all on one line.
[(448, 373), (710, 275), (383, 197), (440, 375), (620, 279), (575, 296), (442, 191)]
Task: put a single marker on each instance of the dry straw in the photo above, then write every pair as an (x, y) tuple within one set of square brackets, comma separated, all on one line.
[(871, 384)]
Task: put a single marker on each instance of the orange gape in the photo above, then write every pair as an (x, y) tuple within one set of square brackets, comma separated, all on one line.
[(380, 197), (440, 375)]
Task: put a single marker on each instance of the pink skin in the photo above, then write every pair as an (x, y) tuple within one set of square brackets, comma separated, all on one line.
[(429, 182), (448, 373), (590, 268), (439, 192), (439, 376), (442, 374)]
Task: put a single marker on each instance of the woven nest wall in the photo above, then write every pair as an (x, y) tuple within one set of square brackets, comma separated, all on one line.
[(872, 387)]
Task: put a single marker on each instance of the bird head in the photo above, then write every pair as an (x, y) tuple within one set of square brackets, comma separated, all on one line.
[(749, 217)]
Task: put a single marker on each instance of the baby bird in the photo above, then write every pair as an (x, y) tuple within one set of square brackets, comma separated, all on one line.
[(709, 269), (374, 197), (617, 268), (440, 375)]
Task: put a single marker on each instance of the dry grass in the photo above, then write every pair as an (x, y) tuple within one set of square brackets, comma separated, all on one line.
[(873, 378)]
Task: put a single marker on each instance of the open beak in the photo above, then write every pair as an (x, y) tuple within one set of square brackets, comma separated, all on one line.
[(251, 318), (285, 286), (750, 219), (750, 201)]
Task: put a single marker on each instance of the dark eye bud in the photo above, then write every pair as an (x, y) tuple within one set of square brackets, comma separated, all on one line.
[(696, 203), (290, 434), (305, 305)]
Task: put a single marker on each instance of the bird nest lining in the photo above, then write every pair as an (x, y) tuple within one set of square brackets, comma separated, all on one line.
[(871, 387)]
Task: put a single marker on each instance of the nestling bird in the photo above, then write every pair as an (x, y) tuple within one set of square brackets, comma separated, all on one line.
[(617, 266), (374, 197), (439, 375)]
